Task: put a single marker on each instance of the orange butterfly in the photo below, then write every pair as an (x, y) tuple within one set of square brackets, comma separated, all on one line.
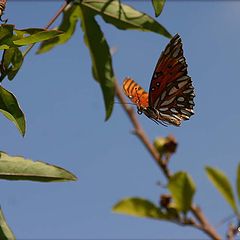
[(171, 93)]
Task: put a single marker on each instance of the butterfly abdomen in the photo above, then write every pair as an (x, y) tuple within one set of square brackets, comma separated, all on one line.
[(135, 93)]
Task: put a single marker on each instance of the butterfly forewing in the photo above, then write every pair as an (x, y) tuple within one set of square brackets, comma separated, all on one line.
[(171, 92)]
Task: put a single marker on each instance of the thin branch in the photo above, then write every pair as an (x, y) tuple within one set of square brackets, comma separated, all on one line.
[(58, 13), (232, 232), (206, 226), (203, 225), (138, 131)]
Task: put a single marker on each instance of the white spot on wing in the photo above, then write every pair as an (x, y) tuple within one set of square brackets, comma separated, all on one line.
[(167, 50), (167, 102), (173, 90), (180, 105), (163, 109), (183, 78), (188, 91), (156, 102), (186, 112), (177, 117), (181, 99), (163, 95), (174, 110), (181, 60), (185, 117), (175, 53), (181, 84)]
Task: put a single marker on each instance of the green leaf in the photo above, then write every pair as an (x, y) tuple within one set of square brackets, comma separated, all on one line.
[(158, 6), (124, 16), (12, 62), (19, 168), (138, 207), (238, 181), (182, 189), (6, 31), (6, 34), (70, 18), (20, 33), (101, 57), (5, 231), (9, 39), (9, 108), (37, 37), (222, 184)]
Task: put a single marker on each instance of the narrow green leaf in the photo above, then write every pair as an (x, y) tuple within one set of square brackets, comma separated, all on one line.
[(182, 189), (158, 6), (37, 37), (5, 231), (70, 18), (9, 108), (19, 168), (6, 31), (124, 16), (222, 184), (138, 207), (238, 182), (20, 33), (12, 62), (6, 34), (101, 57), (10, 37)]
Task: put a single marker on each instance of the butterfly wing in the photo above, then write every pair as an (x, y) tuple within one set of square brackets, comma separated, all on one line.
[(135, 93), (171, 92)]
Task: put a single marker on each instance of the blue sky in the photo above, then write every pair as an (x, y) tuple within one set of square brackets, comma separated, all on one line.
[(65, 125)]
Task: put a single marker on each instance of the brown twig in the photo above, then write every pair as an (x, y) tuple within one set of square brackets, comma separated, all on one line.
[(203, 225), (48, 25), (138, 131)]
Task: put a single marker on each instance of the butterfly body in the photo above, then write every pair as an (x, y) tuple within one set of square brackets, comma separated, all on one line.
[(170, 97)]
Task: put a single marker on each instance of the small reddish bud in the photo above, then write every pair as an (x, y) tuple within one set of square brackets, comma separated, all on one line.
[(165, 200), (166, 145)]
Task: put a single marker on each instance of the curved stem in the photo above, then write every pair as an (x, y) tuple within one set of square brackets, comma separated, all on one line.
[(48, 25), (203, 225), (138, 131)]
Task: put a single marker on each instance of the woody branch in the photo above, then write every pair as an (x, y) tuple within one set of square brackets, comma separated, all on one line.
[(203, 223)]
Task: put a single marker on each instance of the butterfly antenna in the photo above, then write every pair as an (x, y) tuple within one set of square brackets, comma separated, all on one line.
[(224, 220), (124, 103)]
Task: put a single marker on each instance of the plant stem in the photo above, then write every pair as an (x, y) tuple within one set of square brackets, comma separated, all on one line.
[(58, 13), (203, 225)]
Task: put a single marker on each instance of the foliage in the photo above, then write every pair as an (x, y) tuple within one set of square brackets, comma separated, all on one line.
[(177, 204), (19, 168), (5, 231), (158, 6), (12, 40), (121, 16), (223, 185), (9, 108)]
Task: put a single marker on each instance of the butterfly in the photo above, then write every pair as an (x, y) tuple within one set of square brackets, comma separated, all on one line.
[(171, 93)]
